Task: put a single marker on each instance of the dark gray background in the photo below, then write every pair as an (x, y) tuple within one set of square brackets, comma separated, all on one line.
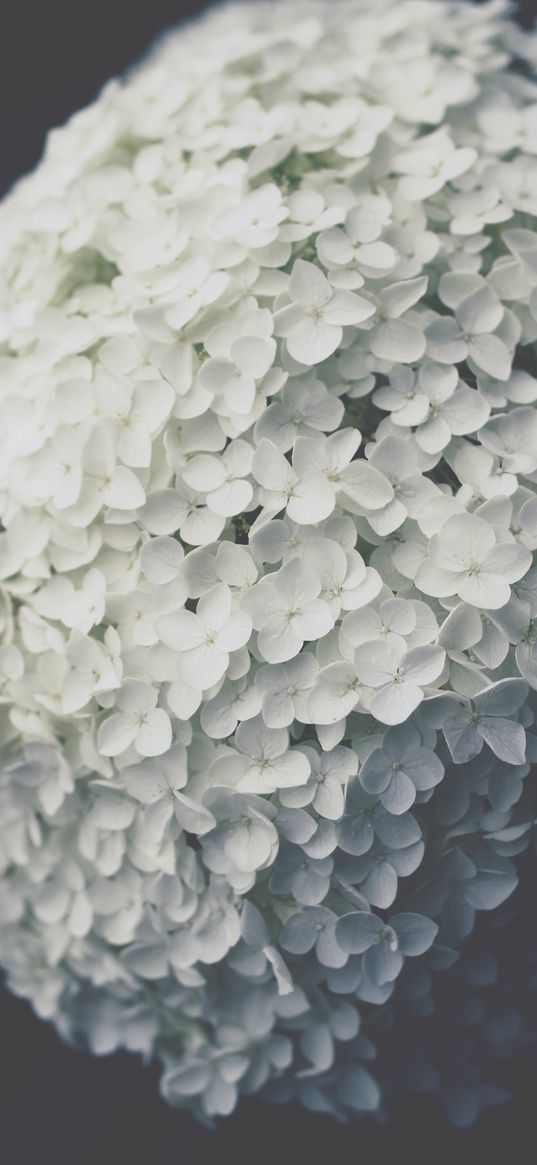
[(63, 1106)]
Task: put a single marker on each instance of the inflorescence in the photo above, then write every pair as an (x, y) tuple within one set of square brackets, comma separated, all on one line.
[(268, 492)]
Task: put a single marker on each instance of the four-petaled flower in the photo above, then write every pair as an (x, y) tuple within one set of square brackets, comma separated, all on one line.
[(314, 320), (138, 722), (204, 640)]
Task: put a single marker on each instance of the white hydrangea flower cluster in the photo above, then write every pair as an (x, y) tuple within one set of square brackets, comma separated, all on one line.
[(268, 490)]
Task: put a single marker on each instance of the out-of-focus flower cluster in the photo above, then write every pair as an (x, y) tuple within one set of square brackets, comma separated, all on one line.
[(268, 491)]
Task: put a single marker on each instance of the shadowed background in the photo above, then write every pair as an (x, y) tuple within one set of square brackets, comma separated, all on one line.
[(63, 1105)]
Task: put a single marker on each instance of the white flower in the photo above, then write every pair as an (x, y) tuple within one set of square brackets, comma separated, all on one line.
[(398, 676), (336, 692), (432, 162), (161, 559), (307, 213), (436, 403), (314, 320), (265, 761), (117, 907), (395, 340), (82, 609), (402, 397), (254, 221), (234, 377), (167, 511), (382, 946), (104, 482), (285, 689), (465, 730), (285, 610), (222, 478), (307, 498), (310, 494), (244, 836), (472, 333), (512, 436), (212, 1080), (346, 582), (204, 640), (515, 183), (313, 926), (358, 244), (465, 560), (138, 722), (306, 878), (399, 768), (137, 415), (236, 701), (325, 791), (93, 668), (268, 607), (303, 408), (400, 465), (360, 484), (394, 622), (160, 784), (195, 286)]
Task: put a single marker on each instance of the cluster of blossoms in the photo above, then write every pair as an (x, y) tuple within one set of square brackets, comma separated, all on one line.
[(268, 490)]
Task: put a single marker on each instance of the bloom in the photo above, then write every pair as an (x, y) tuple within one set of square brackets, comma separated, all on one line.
[(314, 320), (465, 559), (138, 722), (268, 522), (398, 676), (285, 610), (399, 769), (205, 639)]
